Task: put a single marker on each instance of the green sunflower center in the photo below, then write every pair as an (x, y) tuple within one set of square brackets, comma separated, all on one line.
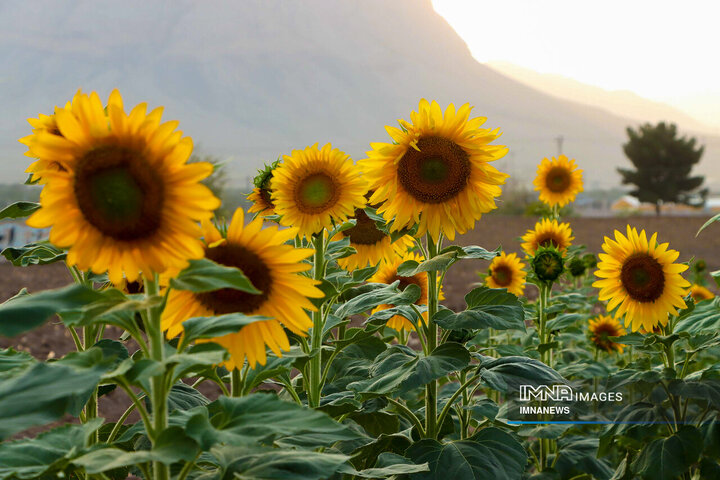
[(229, 300), (365, 232), (502, 275), (557, 179), (119, 193), (643, 278), (436, 172), (316, 193)]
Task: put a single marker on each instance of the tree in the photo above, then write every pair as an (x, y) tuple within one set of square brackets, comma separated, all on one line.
[(662, 163)]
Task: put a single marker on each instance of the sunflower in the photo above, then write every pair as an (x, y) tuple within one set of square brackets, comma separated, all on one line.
[(372, 245), (436, 172), (547, 233), (506, 271), (46, 124), (603, 327), (387, 273), (698, 293), (273, 268), (312, 188), (639, 278), (558, 180), (261, 194), (124, 199)]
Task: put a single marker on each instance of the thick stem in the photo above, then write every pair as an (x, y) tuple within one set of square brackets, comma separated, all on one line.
[(431, 427), (315, 372), (236, 383), (158, 392)]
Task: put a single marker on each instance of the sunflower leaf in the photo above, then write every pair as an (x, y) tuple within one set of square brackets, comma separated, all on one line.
[(486, 308), (26, 312), (19, 210), (41, 253), (210, 327), (204, 275)]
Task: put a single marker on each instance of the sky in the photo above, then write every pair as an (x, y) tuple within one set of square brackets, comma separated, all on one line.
[(661, 50)]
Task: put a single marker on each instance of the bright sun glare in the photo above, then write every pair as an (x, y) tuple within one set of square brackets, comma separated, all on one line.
[(661, 50)]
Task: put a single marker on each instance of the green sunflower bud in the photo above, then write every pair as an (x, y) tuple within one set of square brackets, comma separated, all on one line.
[(262, 179), (577, 267), (547, 264), (590, 260), (700, 266)]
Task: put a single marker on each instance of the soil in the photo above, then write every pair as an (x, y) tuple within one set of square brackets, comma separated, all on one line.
[(53, 341)]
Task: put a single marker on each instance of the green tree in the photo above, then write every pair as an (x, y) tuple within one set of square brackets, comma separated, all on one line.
[(662, 163)]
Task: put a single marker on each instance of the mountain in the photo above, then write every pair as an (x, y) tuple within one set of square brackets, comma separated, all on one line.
[(620, 102), (252, 80)]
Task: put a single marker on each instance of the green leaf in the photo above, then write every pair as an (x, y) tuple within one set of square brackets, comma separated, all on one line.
[(258, 417), (196, 359), (489, 454), (48, 452), (483, 408), (704, 318), (506, 374), (212, 327), (444, 259), (668, 458), (563, 321), (388, 464), (204, 275), (274, 464), (486, 308), (579, 455), (716, 218), (386, 294), (26, 312), (273, 368), (172, 446), (46, 392), (707, 390), (19, 210), (637, 418), (448, 357), (11, 359), (185, 397), (33, 254), (390, 369)]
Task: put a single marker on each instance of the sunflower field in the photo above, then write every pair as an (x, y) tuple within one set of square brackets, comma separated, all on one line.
[(319, 315)]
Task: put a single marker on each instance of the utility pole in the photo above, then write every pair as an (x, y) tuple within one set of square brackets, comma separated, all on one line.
[(559, 139)]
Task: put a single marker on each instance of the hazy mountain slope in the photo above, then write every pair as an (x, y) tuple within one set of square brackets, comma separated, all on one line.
[(620, 102), (251, 80)]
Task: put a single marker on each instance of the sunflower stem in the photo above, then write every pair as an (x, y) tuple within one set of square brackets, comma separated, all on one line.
[(315, 377), (236, 383), (431, 427), (158, 391)]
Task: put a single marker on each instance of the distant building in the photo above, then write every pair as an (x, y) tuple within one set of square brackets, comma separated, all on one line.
[(627, 204), (15, 234)]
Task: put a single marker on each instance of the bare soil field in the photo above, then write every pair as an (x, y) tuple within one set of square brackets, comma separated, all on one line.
[(52, 340)]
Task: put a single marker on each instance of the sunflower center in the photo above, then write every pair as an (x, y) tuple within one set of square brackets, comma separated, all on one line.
[(558, 179), (437, 172), (502, 276), (547, 240), (405, 281), (119, 193), (365, 232), (229, 300), (316, 193), (265, 195), (643, 278)]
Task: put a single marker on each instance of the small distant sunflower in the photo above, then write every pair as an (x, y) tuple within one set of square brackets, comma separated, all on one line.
[(559, 181), (506, 271), (639, 278), (46, 124), (388, 274), (436, 173), (698, 293), (312, 188), (603, 327), (547, 233), (273, 268), (261, 195), (372, 244), (123, 199)]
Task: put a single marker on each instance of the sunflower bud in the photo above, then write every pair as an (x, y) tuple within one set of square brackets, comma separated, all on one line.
[(700, 266), (590, 260), (547, 264), (577, 267)]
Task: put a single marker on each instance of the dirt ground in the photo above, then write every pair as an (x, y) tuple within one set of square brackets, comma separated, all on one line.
[(52, 340)]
